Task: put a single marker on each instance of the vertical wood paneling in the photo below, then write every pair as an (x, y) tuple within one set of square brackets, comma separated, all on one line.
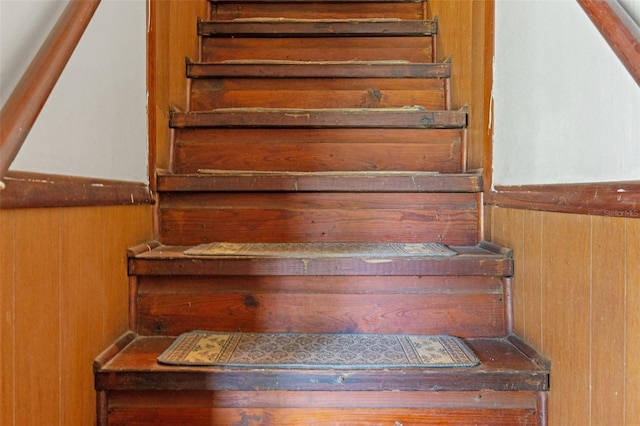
[(531, 277), (81, 336), (461, 34), (632, 324), (124, 228), (581, 285), (175, 26), (509, 227), (7, 318), (37, 297), (565, 310), (607, 308), (57, 270)]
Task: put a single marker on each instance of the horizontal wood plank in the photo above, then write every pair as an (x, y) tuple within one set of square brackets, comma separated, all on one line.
[(286, 313), (502, 368), (317, 28), (322, 416), (32, 190), (394, 118), (188, 219), (480, 399), (288, 69), (317, 93), (171, 260), (613, 199), (413, 49), (234, 181), (307, 150), (358, 9)]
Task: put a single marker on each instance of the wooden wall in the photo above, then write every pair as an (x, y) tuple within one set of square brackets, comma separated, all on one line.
[(577, 299), (63, 300)]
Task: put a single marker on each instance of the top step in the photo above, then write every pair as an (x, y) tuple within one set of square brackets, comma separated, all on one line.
[(225, 10)]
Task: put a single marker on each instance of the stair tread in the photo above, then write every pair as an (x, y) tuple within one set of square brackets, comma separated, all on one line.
[(343, 181), (327, 69), (506, 364), (404, 117), (270, 27), (157, 259)]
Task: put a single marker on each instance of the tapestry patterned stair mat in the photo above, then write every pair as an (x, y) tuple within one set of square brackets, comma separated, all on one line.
[(314, 351), (306, 250)]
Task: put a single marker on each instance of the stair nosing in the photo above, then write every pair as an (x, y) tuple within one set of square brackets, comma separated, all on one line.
[(319, 69), (171, 260), (363, 181), (489, 375), (409, 117), (269, 27)]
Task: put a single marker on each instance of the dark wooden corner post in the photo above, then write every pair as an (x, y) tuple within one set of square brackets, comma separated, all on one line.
[(21, 110)]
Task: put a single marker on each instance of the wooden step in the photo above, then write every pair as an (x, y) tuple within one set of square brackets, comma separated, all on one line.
[(319, 149), (318, 49), (484, 259), (270, 181), (195, 218), (319, 69), (318, 9), (506, 388), (279, 27), (395, 118), (314, 93), (173, 292)]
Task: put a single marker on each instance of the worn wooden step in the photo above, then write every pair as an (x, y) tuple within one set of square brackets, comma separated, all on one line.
[(175, 292), (319, 149), (506, 388), (396, 118), (195, 218), (336, 48), (310, 69), (484, 259), (208, 180), (314, 93), (170, 305), (318, 9), (279, 27)]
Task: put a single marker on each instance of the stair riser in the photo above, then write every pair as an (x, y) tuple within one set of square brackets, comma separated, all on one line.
[(190, 219), (413, 49), (316, 416), (307, 150), (320, 10), (417, 305), (207, 94)]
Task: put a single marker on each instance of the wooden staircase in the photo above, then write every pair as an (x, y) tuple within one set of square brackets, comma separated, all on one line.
[(320, 121)]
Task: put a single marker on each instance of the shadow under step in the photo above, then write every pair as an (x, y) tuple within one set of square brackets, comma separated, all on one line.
[(410, 117), (484, 259), (507, 387), (356, 181)]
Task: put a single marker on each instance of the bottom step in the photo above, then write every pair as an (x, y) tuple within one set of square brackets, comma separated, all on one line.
[(507, 387)]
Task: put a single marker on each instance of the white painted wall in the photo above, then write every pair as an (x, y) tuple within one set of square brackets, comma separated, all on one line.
[(94, 123), (565, 108)]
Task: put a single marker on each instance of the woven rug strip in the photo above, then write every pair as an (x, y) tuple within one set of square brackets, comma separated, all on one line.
[(314, 351), (364, 250)]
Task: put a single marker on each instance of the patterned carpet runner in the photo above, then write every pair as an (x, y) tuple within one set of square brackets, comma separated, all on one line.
[(338, 351)]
